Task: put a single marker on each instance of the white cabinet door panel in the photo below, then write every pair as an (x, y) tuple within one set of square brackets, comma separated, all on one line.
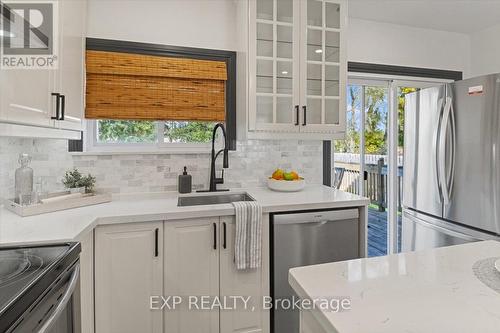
[(25, 96), (127, 272), (233, 282), (191, 269), (70, 77)]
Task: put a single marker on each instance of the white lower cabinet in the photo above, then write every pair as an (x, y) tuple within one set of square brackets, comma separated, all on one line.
[(191, 269), (239, 283), (128, 270), (195, 258)]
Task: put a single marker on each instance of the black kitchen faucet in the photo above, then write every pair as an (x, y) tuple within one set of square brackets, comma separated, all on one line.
[(225, 163)]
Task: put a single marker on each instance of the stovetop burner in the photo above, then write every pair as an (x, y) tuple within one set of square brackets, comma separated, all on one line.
[(19, 267)]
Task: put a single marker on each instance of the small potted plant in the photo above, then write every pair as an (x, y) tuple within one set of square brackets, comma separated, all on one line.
[(77, 183)]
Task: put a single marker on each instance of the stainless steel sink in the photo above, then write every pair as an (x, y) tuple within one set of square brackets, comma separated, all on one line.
[(213, 199)]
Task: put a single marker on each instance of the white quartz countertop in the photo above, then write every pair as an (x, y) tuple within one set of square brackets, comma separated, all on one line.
[(427, 291), (74, 223)]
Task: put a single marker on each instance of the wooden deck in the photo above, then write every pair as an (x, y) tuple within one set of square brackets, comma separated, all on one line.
[(377, 233)]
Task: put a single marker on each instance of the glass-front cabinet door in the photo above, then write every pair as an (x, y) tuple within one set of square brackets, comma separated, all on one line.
[(324, 66), (274, 64), (297, 66)]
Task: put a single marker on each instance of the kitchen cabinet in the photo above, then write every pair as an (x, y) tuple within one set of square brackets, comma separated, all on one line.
[(195, 258), (25, 97), (128, 270), (70, 75), (199, 260), (248, 283), (309, 324), (32, 96), (191, 269), (297, 67)]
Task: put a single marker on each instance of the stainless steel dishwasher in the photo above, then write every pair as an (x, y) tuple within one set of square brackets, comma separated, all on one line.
[(307, 238)]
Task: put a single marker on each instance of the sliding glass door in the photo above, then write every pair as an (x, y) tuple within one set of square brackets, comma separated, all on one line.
[(369, 161), (360, 159)]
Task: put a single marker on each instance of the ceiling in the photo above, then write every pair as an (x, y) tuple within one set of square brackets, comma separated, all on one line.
[(463, 16)]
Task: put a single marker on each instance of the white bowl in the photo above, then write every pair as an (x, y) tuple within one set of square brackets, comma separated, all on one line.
[(286, 185)]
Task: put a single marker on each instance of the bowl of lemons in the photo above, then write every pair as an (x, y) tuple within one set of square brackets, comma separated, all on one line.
[(283, 181)]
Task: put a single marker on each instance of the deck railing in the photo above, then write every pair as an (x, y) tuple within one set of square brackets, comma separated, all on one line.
[(375, 180)]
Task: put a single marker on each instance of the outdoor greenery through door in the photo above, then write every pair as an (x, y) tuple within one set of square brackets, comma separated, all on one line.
[(365, 148)]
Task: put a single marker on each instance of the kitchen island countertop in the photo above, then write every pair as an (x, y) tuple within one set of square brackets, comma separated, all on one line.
[(422, 292)]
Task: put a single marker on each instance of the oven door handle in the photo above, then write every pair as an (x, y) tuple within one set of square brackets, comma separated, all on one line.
[(51, 320)]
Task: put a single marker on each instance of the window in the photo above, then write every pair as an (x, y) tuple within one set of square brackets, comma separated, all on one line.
[(136, 84), (148, 135)]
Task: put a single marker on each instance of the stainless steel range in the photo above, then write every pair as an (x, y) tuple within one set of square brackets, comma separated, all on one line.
[(37, 288)]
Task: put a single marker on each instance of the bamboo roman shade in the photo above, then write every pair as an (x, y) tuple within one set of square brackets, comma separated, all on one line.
[(145, 87)]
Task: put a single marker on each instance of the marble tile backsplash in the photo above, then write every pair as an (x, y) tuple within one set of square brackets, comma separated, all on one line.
[(50, 159), (249, 165)]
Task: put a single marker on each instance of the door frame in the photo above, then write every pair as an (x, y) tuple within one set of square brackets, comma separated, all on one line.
[(392, 83)]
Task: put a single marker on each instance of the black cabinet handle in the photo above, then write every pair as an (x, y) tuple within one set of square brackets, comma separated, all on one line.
[(156, 242), (224, 245), (215, 236), (304, 108), (58, 106), (297, 115), (63, 106)]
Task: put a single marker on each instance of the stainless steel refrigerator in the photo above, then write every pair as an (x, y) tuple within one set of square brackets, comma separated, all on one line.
[(451, 180)]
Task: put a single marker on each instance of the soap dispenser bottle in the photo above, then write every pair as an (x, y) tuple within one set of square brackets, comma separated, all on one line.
[(185, 182)]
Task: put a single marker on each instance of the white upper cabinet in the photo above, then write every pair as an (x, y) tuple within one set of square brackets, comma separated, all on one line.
[(51, 98), (25, 96), (274, 65), (297, 67), (70, 76)]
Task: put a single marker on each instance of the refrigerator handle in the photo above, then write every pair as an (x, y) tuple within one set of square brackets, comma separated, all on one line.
[(437, 146), (443, 179), (453, 129), (443, 230)]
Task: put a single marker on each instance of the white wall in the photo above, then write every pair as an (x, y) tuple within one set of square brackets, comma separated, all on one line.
[(485, 47), (391, 44), (194, 23)]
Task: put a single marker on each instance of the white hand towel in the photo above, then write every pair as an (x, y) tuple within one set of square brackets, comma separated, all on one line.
[(248, 242)]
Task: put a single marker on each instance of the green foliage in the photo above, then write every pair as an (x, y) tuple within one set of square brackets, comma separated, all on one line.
[(375, 128), (188, 132), (401, 114), (376, 120), (126, 131), (74, 179)]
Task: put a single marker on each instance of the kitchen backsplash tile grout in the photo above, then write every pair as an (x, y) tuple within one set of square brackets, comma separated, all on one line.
[(249, 165)]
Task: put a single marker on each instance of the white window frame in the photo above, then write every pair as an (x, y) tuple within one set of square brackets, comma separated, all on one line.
[(92, 146)]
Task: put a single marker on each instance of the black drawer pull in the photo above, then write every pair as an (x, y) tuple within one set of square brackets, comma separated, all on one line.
[(156, 242), (224, 244), (215, 236), (58, 105)]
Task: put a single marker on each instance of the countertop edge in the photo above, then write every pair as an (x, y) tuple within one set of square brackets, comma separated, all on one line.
[(89, 221)]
